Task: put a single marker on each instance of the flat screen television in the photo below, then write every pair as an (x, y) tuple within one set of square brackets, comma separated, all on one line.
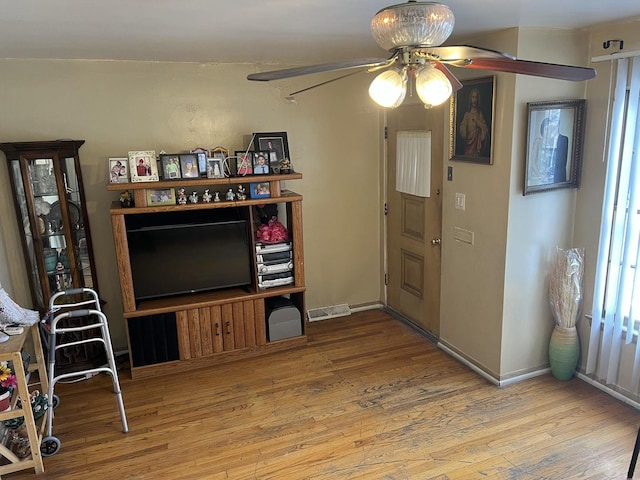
[(175, 253)]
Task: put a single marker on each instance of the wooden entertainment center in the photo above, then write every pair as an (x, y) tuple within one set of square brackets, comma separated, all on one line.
[(195, 330)]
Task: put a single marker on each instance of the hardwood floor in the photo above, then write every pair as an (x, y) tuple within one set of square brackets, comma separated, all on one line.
[(367, 398)]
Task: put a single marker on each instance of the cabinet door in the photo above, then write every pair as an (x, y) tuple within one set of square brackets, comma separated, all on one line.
[(49, 198), (220, 328)]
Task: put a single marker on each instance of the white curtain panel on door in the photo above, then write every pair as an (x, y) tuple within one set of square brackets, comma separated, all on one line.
[(413, 163), (616, 296)]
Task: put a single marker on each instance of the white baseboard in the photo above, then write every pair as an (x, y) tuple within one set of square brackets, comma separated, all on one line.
[(342, 310), (610, 391), (362, 308), (489, 377)]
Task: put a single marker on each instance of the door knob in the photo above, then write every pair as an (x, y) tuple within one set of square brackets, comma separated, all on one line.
[(435, 241)]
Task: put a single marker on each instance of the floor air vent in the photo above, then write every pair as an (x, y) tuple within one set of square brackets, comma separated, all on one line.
[(324, 313)]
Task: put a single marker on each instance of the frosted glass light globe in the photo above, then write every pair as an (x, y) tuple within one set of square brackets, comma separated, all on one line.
[(389, 88), (433, 86), (412, 24)]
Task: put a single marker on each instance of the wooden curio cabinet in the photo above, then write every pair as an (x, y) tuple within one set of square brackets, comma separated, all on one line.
[(50, 207)]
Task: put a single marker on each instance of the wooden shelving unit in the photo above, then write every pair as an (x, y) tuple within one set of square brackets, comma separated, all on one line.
[(11, 351), (212, 327)]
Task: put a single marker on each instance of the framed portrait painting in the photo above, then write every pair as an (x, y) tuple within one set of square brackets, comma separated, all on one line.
[(471, 129), (143, 166), (276, 145), (555, 135)]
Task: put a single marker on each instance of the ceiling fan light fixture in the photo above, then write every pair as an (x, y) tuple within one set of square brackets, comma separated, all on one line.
[(412, 24), (389, 88), (432, 86)]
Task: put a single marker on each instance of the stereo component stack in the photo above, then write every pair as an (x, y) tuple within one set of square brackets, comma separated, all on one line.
[(274, 262)]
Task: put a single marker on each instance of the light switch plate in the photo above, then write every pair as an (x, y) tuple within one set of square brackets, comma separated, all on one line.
[(460, 201)]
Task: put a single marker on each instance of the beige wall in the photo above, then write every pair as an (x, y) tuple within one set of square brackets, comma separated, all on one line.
[(120, 106), (538, 223), (495, 309), (473, 275)]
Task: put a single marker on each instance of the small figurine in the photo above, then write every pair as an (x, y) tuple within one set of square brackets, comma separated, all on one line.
[(216, 197), (230, 195), (182, 197), (193, 198), (125, 199), (285, 166), (61, 280), (206, 196), (241, 195)]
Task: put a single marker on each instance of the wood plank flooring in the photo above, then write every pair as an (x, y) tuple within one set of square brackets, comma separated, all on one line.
[(367, 398)]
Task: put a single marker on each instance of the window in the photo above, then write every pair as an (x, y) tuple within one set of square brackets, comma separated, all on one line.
[(617, 286)]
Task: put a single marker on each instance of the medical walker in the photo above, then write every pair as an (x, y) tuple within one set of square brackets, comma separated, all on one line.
[(88, 306)]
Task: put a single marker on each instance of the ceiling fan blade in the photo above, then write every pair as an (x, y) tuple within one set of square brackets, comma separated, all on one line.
[(468, 56), (538, 69), (455, 83), (455, 53), (324, 67), (292, 94)]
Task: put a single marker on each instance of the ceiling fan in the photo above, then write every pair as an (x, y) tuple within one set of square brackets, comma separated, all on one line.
[(413, 32)]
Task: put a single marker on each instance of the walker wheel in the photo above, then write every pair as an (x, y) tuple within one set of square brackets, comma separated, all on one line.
[(55, 401), (49, 446)]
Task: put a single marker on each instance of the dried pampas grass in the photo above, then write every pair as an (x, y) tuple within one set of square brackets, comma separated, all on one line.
[(565, 286)]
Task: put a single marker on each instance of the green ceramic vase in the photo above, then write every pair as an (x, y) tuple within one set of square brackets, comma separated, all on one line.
[(564, 351)]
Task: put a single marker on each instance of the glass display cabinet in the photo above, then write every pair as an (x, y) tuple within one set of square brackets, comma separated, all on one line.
[(50, 207)]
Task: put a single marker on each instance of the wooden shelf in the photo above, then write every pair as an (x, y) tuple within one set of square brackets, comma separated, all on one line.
[(140, 189), (208, 299), (202, 182), (285, 196)]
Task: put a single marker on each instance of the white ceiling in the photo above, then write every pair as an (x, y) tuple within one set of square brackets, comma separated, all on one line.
[(270, 31)]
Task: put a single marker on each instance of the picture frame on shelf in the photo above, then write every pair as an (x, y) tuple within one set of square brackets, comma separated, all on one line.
[(215, 168), (189, 165), (161, 196), (276, 144), (222, 154), (202, 162), (555, 137), (244, 163), (119, 170), (202, 154), (170, 164), (260, 190), (143, 166), (219, 152), (261, 163), (471, 121)]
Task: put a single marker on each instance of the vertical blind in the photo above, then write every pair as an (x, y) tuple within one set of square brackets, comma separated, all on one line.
[(616, 296)]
